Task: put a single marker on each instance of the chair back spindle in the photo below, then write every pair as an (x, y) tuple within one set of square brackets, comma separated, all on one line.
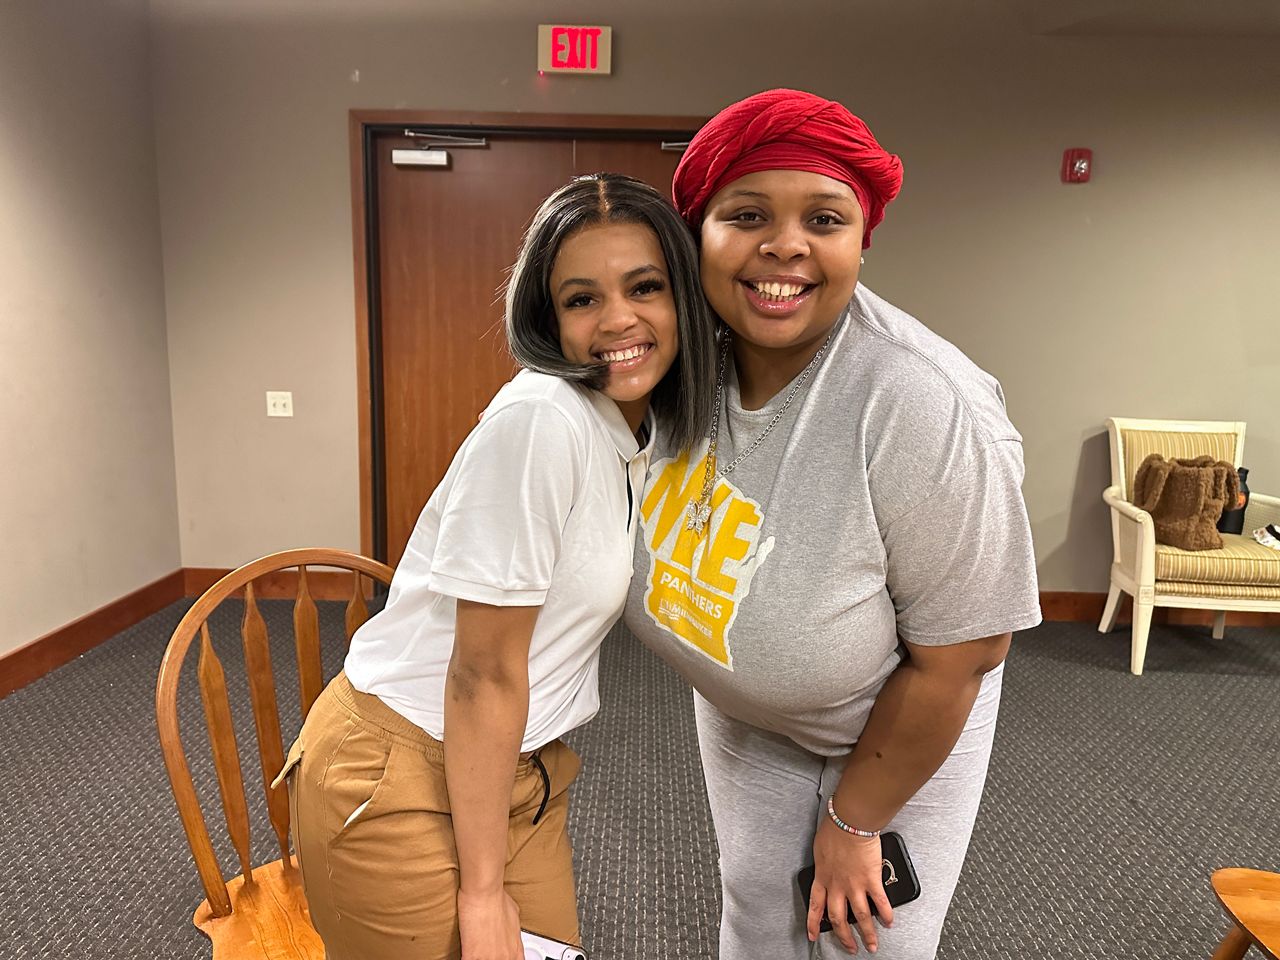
[(226, 754), (306, 635), (266, 715), (357, 610)]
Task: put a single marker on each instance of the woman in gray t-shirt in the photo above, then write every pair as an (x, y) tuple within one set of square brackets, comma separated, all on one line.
[(838, 569)]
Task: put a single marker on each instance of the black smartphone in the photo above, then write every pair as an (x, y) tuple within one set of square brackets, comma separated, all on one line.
[(901, 885)]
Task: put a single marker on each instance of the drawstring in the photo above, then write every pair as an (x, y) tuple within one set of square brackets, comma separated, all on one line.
[(546, 785)]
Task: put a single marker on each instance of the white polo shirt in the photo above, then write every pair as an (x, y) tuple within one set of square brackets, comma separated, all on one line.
[(539, 507)]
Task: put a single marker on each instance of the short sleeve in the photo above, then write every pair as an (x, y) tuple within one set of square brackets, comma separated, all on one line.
[(502, 523), (960, 564)]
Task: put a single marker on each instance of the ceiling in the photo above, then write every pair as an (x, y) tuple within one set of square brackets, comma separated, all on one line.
[(1080, 18), (1155, 18)]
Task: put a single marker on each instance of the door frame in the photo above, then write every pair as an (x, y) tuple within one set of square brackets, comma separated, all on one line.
[(364, 126)]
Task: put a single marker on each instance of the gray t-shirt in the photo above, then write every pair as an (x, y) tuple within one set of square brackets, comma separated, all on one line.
[(885, 504)]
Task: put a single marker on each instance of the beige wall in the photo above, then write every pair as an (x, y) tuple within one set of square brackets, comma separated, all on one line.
[(87, 505), (1130, 296), (1149, 292)]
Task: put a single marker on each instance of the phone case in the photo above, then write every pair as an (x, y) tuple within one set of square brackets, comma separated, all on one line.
[(901, 885), (544, 948)]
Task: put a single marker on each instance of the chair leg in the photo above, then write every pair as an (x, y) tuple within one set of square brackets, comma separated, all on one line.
[(1219, 624), (1234, 945), (1111, 610), (1141, 628)]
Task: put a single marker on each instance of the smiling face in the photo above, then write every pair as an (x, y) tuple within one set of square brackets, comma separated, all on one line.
[(614, 305), (780, 256)]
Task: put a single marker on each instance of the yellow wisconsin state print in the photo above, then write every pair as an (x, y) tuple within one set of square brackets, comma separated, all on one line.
[(698, 581)]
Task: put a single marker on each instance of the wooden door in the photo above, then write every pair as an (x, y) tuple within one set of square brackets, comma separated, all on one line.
[(446, 239)]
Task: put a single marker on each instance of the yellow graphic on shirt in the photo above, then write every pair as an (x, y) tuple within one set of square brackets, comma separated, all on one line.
[(697, 581)]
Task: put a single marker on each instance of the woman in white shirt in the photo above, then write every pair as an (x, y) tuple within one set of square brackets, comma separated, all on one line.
[(428, 783)]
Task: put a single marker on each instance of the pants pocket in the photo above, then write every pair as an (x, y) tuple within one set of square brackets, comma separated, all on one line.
[(291, 760), (358, 791), (563, 765), (544, 777), (286, 779)]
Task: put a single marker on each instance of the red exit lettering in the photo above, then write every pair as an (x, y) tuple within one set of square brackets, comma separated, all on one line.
[(575, 48)]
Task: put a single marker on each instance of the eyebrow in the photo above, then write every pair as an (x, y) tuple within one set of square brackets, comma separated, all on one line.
[(626, 277)]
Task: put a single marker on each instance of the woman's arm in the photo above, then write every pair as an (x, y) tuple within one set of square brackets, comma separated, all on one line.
[(914, 724), (486, 708)]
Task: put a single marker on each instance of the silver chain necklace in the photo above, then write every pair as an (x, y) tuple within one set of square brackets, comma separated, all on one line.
[(700, 511)]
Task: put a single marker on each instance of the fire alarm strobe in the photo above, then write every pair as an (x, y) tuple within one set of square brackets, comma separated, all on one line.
[(1077, 164)]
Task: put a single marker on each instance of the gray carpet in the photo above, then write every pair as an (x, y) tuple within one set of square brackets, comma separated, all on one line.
[(1111, 798)]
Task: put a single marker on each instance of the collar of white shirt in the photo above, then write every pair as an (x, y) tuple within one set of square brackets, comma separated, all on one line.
[(616, 426)]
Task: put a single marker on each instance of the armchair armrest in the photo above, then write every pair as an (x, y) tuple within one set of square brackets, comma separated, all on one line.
[(1111, 497), (1133, 535), (1261, 510)]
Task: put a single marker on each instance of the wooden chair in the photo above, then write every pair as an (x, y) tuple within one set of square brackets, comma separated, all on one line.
[(1251, 899), (1243, 575), (261, 913)]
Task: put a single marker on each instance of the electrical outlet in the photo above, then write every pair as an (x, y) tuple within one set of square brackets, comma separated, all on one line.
[(279, 403)]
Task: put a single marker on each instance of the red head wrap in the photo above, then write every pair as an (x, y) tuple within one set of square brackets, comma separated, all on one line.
[(786, 130)]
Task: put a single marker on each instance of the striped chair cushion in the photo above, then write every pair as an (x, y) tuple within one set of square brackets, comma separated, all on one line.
[(1215, 591), (1140, 444), (1241, 562)]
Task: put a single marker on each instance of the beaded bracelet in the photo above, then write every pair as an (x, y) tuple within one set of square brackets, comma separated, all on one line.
[(835, 818)]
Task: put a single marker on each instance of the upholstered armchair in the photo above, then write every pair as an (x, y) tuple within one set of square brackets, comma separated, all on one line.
[(1243, 575)]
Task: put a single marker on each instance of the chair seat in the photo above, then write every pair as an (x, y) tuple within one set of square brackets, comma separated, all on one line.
[(1242, 562), (1252, 899), (1214, 591), (268, 921)]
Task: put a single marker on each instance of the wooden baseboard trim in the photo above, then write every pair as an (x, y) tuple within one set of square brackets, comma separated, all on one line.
[(31, 662), (280, 585), (1068, 607)]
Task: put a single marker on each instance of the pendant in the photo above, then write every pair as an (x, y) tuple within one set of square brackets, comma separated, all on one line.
[(699, 516)]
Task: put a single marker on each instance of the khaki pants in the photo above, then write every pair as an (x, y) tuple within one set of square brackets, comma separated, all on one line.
[(374, 838)]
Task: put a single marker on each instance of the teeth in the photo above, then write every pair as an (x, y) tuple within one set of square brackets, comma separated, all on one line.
[(614, 356), (778, 291)]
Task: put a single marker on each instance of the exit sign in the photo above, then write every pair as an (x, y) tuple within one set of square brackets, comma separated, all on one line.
[(574, 49)]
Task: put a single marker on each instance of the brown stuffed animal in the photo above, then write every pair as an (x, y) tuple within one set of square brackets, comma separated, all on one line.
[(1185, 498)]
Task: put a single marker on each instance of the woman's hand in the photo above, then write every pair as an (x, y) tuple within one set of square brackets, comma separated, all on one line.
[(848, 872), (490, 926)]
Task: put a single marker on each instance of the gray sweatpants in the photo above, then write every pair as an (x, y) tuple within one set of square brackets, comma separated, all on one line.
[(767, 795)]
